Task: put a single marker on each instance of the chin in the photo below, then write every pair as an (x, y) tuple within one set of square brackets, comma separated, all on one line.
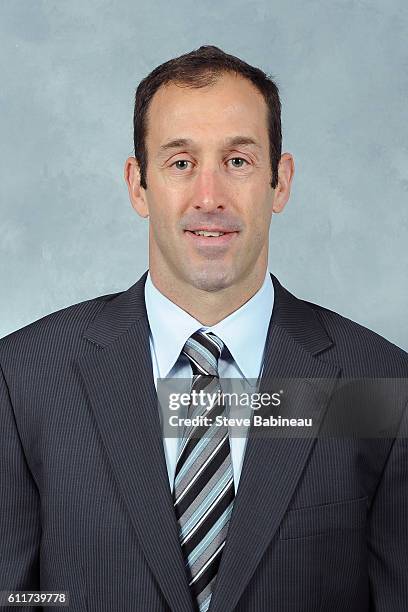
[(211, 279)]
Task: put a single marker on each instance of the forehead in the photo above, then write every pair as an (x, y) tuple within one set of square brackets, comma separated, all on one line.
[(232, 105)]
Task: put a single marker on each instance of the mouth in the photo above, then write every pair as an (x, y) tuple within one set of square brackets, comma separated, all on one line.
[(213, 237)]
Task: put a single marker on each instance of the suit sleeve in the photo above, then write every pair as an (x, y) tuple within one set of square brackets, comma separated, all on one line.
[(20, 528), (388, 531)]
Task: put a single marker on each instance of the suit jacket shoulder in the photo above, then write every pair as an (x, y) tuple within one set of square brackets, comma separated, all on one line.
[(355, 344), (59, 333)]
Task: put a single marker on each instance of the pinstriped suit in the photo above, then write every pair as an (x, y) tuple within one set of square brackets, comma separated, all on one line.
[(85, 503)]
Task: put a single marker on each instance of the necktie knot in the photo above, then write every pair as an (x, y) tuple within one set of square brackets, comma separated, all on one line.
[(203, 350)]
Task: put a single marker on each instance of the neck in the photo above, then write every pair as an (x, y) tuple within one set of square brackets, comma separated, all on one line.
[(209, 307)]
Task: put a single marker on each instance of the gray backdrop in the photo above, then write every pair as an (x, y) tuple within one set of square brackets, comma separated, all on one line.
[(68, 74)]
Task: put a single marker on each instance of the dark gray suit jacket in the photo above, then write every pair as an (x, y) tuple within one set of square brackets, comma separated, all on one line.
[(85, 501)]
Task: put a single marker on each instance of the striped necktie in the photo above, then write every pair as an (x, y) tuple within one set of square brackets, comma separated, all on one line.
[(203, 492)]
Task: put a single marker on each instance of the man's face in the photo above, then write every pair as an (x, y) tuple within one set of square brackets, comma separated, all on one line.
[(208, 170)]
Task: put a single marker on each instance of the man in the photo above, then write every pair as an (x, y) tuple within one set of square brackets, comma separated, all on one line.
[(94, 501)]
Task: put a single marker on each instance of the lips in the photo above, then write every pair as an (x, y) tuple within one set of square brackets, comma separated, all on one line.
[(208, 234), (207, 228), (222, 238)]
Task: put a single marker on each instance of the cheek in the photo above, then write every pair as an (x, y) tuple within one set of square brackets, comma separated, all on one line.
[(164, 224), (166, 201), (260, 213)]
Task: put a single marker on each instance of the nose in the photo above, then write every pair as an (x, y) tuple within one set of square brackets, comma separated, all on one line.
[(209, 193)]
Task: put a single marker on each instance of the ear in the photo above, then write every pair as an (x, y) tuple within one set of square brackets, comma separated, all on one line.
[(286, 172), (137, 194)]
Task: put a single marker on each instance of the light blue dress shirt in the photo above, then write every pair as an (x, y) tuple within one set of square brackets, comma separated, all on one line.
[(244, 332)]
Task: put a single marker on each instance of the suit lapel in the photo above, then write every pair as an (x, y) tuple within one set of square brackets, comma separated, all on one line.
[(119, 381), (272, 466)]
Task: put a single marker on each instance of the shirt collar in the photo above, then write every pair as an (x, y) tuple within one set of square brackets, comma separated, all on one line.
[(244, 331)]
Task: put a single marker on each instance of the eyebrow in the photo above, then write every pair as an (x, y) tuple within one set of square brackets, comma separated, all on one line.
[(177, 143), (233, 141), (242, 140)]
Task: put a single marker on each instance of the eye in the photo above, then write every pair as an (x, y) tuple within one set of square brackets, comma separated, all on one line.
[(181, 164), (238, 162)]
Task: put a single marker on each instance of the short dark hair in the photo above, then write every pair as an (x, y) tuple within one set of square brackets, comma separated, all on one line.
[(201, 68)]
